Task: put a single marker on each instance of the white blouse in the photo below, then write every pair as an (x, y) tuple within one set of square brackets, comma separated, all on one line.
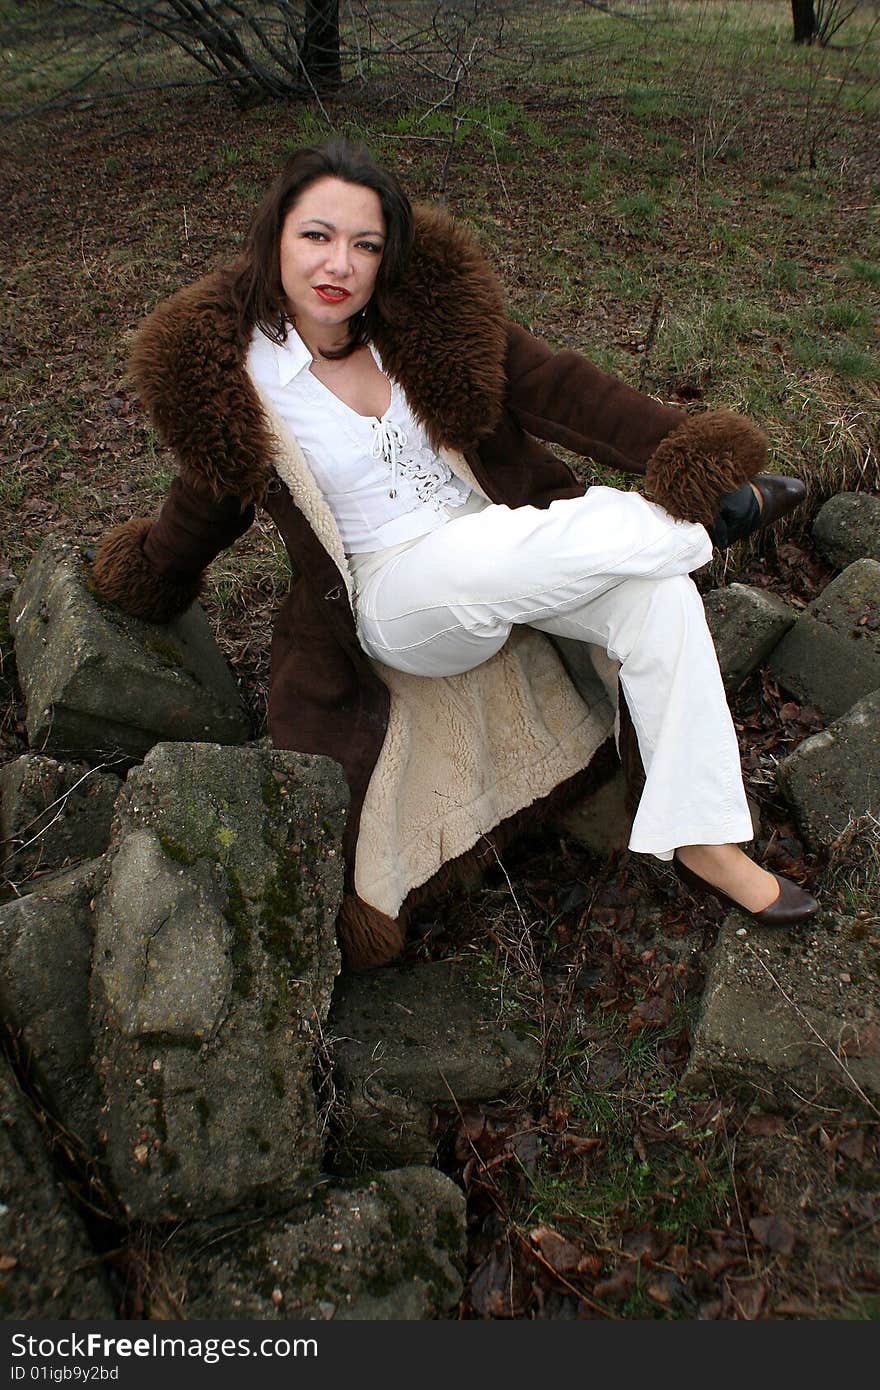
[(382, 480)]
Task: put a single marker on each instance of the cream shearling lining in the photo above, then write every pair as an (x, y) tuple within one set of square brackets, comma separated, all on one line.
[(423, 808)]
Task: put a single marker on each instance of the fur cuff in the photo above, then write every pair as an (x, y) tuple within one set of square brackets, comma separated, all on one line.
[(706, 456), (367, 937), (123, 576)]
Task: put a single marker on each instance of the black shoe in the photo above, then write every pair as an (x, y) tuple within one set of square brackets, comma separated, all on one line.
[(780, 495), (792, 905), (740, 513)]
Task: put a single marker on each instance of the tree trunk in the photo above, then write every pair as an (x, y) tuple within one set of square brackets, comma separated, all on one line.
[(804, 17), (320, 51)]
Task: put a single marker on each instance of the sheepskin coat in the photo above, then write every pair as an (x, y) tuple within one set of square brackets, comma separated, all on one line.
[(491, 396)]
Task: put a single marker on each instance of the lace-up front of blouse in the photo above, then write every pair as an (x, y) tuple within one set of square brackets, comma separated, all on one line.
[(380, 477)]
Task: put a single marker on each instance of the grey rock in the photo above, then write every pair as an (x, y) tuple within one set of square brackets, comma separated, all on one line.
[(410, 1037), (214, 962), (847, 528), (746, 624), (833, 777), (390, 1250), (50, 1269), (8, 586), (45, 958), (52, 814), (831, 657), (790, 1017), (169, 972), (97, 683)]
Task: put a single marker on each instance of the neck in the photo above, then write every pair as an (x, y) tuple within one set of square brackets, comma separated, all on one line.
[(318, 341)]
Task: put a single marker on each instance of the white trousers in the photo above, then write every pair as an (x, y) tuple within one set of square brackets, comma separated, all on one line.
[(609, 568)]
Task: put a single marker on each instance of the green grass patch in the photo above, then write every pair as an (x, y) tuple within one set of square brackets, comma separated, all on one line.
[(783, 274), (844, 314), (866, 271), (680, 1185), (641, 209), (844, 358)]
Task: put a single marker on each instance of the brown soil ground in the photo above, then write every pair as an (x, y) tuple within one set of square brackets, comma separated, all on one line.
[(631, 1203)]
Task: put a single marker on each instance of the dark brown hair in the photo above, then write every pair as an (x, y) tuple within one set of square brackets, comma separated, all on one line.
[(257, 287)]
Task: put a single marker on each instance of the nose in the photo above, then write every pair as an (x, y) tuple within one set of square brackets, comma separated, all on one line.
[(338, 259)]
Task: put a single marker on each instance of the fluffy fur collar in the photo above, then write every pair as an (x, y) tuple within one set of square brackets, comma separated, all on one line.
[(444, 342)]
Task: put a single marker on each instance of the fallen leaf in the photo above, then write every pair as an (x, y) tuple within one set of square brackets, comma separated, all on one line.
[(652, 1132), (659, 1289), (575, 1145), (853, 1146), (7, 1262), (562, 1255), (525, 1146), (747, 1297), (764, 1125), (590, 1264), (716, 1262), (667, 1289), (773, 1232), (827, 1277), (646, 1243), (619, 1284), (654, 1012), (794, 1308), (493, 1289), (711, 1311)]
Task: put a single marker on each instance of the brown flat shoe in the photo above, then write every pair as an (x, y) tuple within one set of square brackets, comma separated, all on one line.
[(792, 905)]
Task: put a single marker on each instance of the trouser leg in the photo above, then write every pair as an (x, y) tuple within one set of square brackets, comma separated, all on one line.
[(449, 602), (656, 629), (609, 568)]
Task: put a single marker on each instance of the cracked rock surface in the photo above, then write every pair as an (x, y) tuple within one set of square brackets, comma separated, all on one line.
[(48, 1269), (392, 1249), (214, 960)]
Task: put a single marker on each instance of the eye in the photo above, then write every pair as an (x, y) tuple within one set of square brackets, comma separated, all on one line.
[(313, 235), (370, 246)]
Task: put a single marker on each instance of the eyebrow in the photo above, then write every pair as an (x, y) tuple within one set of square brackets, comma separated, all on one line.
[(332, 226)]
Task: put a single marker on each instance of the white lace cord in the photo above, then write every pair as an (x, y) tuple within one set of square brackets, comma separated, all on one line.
[(388, 440)]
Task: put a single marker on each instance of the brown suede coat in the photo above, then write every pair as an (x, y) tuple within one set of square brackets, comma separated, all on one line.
[(481, 385)]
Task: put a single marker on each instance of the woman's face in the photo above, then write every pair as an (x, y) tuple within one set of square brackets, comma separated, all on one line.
[(331, 245)]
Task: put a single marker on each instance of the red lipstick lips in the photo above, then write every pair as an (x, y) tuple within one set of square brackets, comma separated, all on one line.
[(331, 294)]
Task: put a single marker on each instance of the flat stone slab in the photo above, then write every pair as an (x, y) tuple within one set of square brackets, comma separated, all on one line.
[(45, 962), (831, 657), (214, 962), (49, 1269), (792, 1017), (410, 1037), (391, 1250), (847, 528), (833, 777), (98, 684), (746, 624), (52, 814)]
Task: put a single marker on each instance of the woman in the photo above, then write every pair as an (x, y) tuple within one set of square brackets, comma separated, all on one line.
[(354, 374)]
